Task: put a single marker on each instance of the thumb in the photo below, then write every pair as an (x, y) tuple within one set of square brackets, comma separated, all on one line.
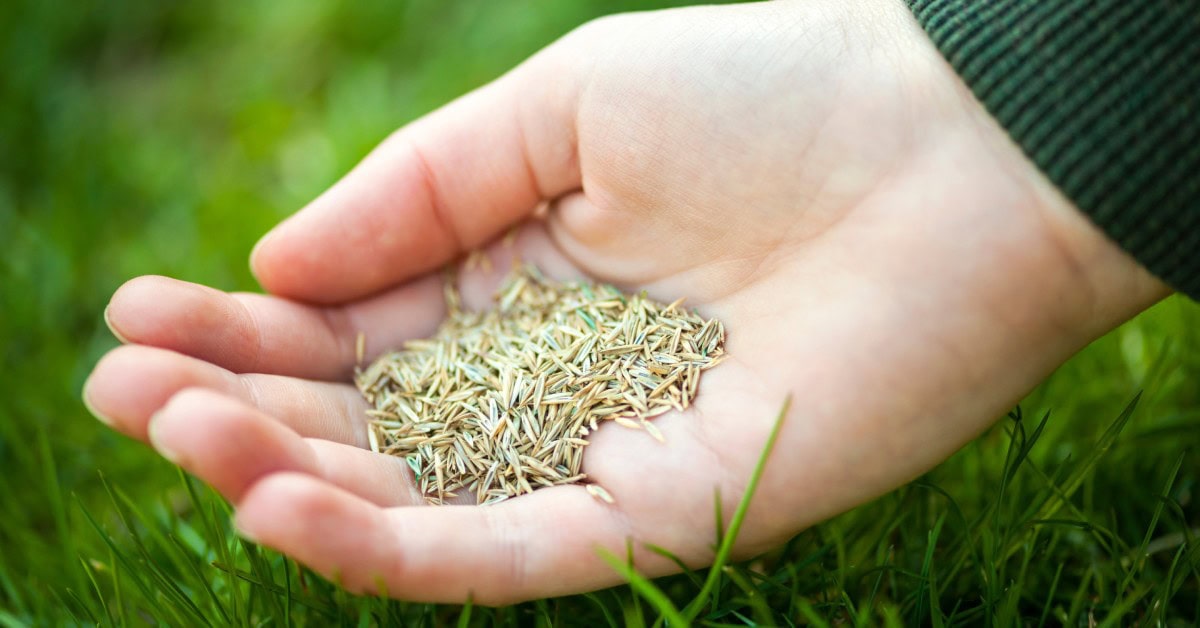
[(443, 184)]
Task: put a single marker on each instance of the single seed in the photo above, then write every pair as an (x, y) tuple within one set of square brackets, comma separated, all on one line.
[(599, 493), (653, 431), (628, 423)]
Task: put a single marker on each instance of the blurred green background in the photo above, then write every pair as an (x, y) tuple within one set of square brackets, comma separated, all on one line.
[(166, 137)]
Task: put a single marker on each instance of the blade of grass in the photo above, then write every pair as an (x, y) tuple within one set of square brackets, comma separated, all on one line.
[(1083, 470), (194, 567), (464, 616), (636, 599), (11, 592), (307, 601), (926, 589), (1077, 600), (644, 588), (52, 493), (1139, 558), (865, 608), (118, 590), (754, 597), (719, 517), (633, 614), (178, 555), (542, 608), (166, 583), (814, 618), (735, 524), (81, 604), (1168, 591), (150, 598), (1026, 447), (91, 575), (608, 616), (287, 591), (1049, 603), (1118, 614), (966, 548), (891, 617), (215, 540), (1190, 560), (1084, 467), (8, 620), (688, 572), (260, 568)]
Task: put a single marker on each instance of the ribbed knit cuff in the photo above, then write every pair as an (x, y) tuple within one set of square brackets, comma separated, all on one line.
[(1104, 96)]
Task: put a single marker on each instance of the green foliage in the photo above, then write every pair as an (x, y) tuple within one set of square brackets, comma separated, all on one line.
[(165, 138)]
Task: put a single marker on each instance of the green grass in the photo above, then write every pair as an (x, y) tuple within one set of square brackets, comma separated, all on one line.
[(165, 137)]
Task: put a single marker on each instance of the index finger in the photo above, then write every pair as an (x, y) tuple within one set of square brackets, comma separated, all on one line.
[(439, 186)]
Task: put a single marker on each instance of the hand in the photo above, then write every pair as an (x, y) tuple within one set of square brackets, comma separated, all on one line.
[(811, 173)]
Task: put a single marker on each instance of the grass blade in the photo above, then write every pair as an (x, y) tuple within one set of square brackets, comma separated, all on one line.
[(464, 616), (91, 574), (1050, 596), (754, 596), (1138, 560), (1082, 470), (126, 562), (646, 589), (667, 554), (739, 515), (811, 615)]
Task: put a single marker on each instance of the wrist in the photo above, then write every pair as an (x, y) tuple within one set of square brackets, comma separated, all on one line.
[(1064, 264), (1110, 285)]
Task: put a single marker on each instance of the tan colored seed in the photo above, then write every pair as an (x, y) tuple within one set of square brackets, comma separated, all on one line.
[(653, 431), (599, 493)]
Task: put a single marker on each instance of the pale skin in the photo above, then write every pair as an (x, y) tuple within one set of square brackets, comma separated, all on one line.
[(812, 173)]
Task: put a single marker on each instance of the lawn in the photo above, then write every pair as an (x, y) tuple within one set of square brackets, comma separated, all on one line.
[(164, 138)]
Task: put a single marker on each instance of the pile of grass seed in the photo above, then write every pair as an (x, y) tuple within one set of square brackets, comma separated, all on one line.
[(500, 402)]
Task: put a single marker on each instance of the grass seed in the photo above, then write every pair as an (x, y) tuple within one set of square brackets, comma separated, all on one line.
[(499, 402)]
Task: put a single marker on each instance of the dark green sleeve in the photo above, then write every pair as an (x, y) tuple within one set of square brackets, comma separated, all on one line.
[(1104, 96)]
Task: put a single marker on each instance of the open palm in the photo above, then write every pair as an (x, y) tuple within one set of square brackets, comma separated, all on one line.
[(811, 173)]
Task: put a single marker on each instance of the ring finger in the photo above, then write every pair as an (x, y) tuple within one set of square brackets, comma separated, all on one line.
[(133, 382)]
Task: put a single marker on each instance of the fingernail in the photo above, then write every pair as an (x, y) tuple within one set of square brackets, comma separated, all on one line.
[(243, 532), (112, 328), (155, 435), (256, 251), (91, 407)]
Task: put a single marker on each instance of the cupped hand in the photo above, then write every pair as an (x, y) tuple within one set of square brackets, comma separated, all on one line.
[(811, 173)]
